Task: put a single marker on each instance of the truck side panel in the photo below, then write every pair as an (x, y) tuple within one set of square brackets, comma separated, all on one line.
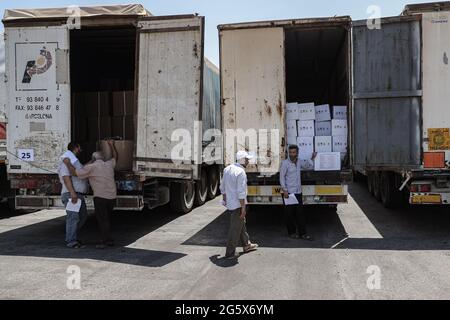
[(169, 94), (253, 89), (436, 82), (387, 93), (38, 107)]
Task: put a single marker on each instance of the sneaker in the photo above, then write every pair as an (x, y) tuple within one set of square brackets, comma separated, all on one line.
[(307, 238), (232, 257), (251, 247), (294, 236), (76, 245)]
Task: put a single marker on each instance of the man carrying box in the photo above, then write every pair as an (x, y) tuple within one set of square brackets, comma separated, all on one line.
[(290, 180)]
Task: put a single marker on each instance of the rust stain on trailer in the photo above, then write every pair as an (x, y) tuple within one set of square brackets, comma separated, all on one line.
[(280, 105), (267, 107)]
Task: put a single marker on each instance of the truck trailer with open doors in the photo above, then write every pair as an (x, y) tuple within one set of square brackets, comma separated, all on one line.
[(401, 114), (119, 73), (264, 66)]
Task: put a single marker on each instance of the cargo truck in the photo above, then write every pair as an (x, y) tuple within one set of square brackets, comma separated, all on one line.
[(111, 71), (266, 65), (401, 115), (6, 194)]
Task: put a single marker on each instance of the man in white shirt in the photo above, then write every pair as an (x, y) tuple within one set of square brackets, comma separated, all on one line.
[(290, 180), (234, 190), (73, 188)]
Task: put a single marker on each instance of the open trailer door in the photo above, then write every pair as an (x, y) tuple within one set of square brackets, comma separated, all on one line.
[(387, 93), (38, 104), (253, 57), (170, 73)]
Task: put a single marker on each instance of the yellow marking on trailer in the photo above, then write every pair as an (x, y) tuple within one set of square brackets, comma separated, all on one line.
[(431, 199), (439, 139), (329, 190)]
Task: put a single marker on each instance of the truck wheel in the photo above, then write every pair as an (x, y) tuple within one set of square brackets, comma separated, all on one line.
[(182, 197), (201, 189), (213, 182), (390, 196), (377, 185)]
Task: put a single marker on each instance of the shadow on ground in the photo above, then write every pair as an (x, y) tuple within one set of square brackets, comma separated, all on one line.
[(266, 227), (45, 239), (409, 228)]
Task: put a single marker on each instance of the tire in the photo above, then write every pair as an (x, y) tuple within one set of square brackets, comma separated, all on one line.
[(182, 197), (201, 189), (390, 196), (377, 185), (213, 182)]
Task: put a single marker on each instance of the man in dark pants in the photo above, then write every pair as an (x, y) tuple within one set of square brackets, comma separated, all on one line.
[(290, 180), (234, 191), (101, 177)]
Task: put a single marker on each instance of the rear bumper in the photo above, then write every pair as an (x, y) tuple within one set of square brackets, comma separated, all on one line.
[(312, 195), (28, 202)]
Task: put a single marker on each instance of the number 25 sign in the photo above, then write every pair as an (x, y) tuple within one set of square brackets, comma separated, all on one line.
[(26, 155)]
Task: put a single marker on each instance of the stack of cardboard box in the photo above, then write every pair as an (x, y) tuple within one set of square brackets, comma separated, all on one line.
[(317, 129), (102, 115)]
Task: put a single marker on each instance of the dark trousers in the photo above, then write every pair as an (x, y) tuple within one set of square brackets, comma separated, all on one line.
[(237, 233), (295, 217), (103, 212)]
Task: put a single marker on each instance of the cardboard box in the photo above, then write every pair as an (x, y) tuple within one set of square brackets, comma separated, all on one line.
[(340, 112), (291, 140), (104, 100), (305, 128), (291, 128), (323, 144), (323, 113), (307, 164), (306, 111), (105, 127), (340, 144), (93, 128), (81, 129), (328, 161), (292, 111), (129, 128), (123, 103), (91, 103), (306, 147), (118, 127), (323, 128), (339, 128)]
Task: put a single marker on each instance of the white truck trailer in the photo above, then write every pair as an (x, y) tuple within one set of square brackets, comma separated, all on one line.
[(401, 112), (264, 66), (89, 73)]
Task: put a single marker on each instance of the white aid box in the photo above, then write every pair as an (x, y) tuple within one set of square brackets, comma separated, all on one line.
[(323, 144), (328, 161), (291, 128), (340, 112), (340, 144), (306, 111), (323, 113), (339, 128), (306, 128), (306, 164), (323, 128), (306, 147), (292, 111)]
